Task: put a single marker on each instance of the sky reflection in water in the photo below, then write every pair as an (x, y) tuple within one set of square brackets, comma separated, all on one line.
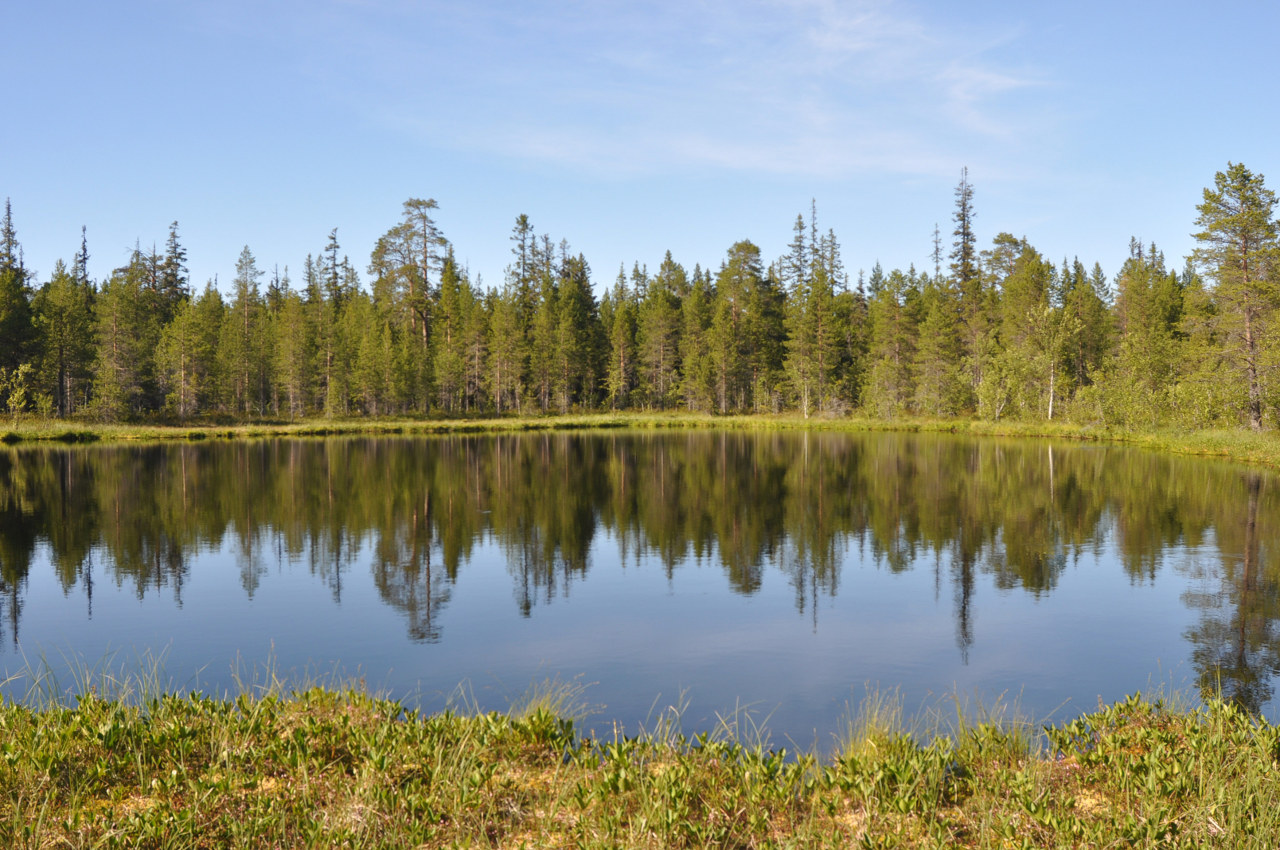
[(783, 573)]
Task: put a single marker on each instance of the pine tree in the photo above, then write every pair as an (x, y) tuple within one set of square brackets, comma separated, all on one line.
[(405, 267), (429, 250), (1238, 248)]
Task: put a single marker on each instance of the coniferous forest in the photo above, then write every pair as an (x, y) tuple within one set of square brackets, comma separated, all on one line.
[(996, 331)]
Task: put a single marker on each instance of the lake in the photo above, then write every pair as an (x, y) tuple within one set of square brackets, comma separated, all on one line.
[(763, 578)]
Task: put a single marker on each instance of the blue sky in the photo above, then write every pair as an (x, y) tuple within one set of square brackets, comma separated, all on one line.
[(626, 128)]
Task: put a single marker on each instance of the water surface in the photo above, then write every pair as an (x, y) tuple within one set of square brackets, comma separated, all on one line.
[(781, 573)]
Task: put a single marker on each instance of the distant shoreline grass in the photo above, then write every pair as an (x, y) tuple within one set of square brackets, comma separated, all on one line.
[(1259, 448), (333, 766)]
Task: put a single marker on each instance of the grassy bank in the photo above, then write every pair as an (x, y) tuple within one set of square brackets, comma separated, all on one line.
[(334, 768), (1236, 444)]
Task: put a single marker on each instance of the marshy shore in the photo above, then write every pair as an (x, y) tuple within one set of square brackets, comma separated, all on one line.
[(336, 767)]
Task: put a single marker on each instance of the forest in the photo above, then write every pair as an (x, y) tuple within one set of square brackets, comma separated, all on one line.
[(994, 332)]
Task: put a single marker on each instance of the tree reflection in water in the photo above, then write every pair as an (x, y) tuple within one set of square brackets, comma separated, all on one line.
[(1016, 515)]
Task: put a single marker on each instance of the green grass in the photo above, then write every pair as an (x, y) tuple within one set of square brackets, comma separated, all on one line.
[(333, 766), (1259, 448)]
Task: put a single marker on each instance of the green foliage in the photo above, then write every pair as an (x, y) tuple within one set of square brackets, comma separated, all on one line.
[(618, 315), (659, 331), (331, 767), (241, 346), (893, 316), (729, 337), (457, 313), (128, 333), (1238, 247), (938, 362), (64, 323), (698, 379), (1001, 333), (17, 332), (813, 339), (187, 356)]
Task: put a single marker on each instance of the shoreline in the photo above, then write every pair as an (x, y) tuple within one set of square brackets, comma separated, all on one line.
[(337, 767), (1242, 445)]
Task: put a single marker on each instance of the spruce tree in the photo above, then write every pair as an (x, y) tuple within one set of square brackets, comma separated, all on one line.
[(456, 303), (941, 389), (697, 379), (732, 336), (17, 334), (127, 336), (579, 336), (618, 311), (893, 320), (506, 348), (64, 323), (174, 285), (241, 347), (658, 333), (293, 356)]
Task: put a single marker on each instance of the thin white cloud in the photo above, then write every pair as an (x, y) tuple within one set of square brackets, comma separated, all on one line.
[(806, 87), (970, 91)]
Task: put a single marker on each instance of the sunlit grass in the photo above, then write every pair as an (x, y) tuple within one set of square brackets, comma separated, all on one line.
[(286, 762), (1235, 444)]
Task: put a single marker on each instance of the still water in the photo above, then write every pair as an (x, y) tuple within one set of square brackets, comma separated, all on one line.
[(780, 574)]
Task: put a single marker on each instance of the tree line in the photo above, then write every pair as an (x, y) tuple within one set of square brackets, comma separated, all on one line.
[(994, 332)]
